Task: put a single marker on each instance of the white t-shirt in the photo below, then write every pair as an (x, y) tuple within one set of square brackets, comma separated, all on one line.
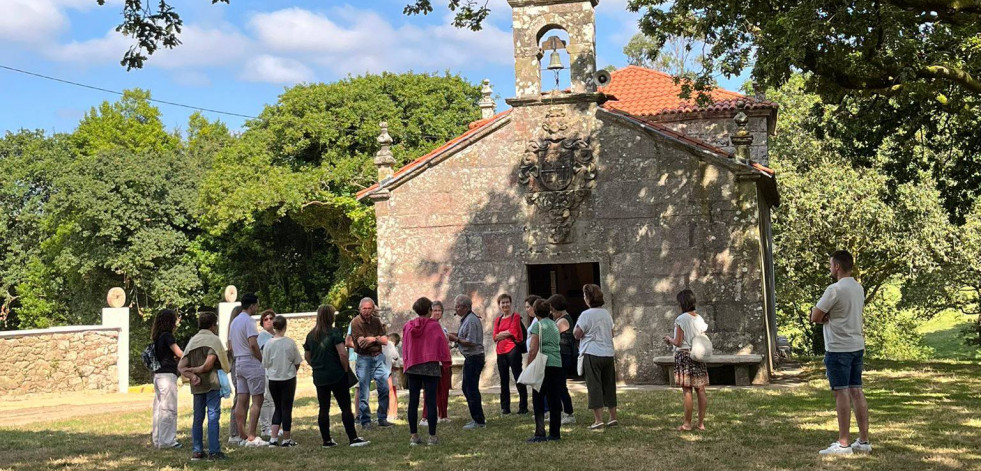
[(280, 357), (534, 320), (597, 325), (264, 337), (844, 302), (392, 356), (690, 326), (242, 328)]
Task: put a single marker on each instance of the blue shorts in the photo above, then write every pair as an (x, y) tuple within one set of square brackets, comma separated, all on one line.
[(844, 369)]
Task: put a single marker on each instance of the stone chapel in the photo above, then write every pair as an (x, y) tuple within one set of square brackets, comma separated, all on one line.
[(613, 181)]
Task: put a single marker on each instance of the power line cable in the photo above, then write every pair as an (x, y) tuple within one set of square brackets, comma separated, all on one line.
[(106, 90)]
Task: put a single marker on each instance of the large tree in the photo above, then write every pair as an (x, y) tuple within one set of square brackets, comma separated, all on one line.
[(903, 242), (298, 166), (111, 204)]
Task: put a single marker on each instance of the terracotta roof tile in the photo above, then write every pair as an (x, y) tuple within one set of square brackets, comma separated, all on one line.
[(645, 92)]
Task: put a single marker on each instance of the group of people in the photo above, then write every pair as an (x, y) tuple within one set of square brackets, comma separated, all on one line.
[(262, 364)]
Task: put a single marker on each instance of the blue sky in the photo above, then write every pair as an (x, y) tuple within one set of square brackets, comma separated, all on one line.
[(240, 57)]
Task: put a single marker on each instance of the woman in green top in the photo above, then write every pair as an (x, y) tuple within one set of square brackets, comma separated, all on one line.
[(544, 338), (327, 356)]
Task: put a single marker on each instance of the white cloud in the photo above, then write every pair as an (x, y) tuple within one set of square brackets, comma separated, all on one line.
[(289, 45), (30, 21), (272, 69), (40, 21), (201, 47), (98, 51), (353, 41), (296, 30)]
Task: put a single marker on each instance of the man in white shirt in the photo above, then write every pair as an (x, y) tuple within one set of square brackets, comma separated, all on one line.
[(250, 377), (840, 311)]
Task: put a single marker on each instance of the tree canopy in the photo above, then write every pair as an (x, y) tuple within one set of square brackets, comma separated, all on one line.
[(302, 161)]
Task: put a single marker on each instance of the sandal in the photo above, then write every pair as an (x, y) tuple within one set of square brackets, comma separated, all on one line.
[(596, 426), (612, 423)]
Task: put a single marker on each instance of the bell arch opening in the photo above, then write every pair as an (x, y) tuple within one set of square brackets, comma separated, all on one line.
[(554, 59)]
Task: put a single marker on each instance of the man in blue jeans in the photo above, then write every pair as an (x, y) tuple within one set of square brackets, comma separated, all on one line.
[(203, 357), (368, 337), (840, 311), (470, 341)]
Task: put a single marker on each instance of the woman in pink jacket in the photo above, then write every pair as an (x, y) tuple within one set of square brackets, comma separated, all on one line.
[(424, 352)]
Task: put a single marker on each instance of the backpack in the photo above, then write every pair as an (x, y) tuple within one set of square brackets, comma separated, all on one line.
[(150, 358)]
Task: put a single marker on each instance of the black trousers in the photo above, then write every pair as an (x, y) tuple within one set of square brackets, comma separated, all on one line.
[(569, 368), (282, 393), (511, 361), (552, 388), (472, 366), (343, 396), (416, 383)]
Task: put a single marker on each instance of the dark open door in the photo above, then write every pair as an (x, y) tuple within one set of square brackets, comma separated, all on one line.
[(566, 279)]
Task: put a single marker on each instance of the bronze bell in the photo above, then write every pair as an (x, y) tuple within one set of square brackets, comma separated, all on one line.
[(555, 61)]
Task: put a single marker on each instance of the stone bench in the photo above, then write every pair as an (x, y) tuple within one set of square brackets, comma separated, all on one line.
[(745, 366)]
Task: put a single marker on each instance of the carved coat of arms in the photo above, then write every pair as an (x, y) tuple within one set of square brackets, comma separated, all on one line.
[(560, 172)]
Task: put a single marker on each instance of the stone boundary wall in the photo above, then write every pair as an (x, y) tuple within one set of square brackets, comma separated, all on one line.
[(59, 359)]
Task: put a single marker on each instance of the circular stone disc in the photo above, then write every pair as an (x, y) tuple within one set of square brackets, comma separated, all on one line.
[(116, 297), (231, 293)]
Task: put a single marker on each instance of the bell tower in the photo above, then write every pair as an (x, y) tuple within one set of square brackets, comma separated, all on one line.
[(533, 20)]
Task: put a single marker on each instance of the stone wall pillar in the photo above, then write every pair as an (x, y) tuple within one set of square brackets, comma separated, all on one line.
[(119, 317), (224, 316), (225, 311)]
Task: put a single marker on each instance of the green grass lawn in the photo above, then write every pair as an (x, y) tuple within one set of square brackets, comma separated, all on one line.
[(925, 415), (945, 334)]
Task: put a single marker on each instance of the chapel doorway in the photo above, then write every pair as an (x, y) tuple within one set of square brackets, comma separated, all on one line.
[(566, 279)]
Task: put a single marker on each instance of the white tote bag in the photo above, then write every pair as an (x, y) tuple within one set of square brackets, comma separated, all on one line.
[(534, 374), (701, 348)]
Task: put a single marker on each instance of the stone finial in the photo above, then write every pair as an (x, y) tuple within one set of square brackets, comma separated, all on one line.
[(759, 93), (742, 138), (383, 159), (116, 297), (487, 106), (231, 294)]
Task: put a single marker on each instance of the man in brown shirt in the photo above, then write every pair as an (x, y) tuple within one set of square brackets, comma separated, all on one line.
[(368, 337)]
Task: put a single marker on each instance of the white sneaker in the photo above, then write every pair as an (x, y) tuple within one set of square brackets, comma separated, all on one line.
[(860, 447), (443, 420), (257, 441), (568, 419), (836, 449), (235, 441), (423, 423)]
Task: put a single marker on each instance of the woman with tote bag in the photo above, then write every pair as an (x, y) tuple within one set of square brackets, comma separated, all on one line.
[(547, 382), (690, 373)]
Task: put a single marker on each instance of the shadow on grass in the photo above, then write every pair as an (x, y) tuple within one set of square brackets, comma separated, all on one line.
[(952, 342)]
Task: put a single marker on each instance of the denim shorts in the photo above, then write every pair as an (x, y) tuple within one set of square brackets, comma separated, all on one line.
[(844, 369)]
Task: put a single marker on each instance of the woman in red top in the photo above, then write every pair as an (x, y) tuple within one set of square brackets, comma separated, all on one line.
[(509, 335)]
